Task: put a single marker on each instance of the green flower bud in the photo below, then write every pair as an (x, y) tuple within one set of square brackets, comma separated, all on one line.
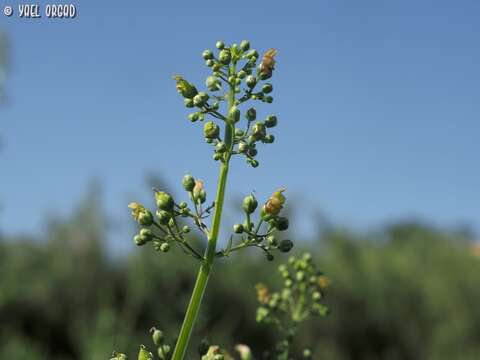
[(186, 89), (183, 205), (231, 79), (272, 240), (267, 88), (268, 139), (139, 240), (188, 182), (281, 223), (144, 354), (262, 314), (244, 45), (300, 275), (211, 130), (213, 83), (239, 132), (288, 283), (216, 67), (157, 336), (146, 219), (285, 246), (242, 147), (164, 247), (225, 56), (251, 53), (118, 356), (163, 217), (265, 75), (221, 147), (215, 105), (147, 234), (233, 114), (217, 156), (251, 81), (186, 229), (210, 63), (249, 204), (193, 116), (188, 103), (271, 121), (220, 45), (251, 114), (207, 54), (242, 74), (252, 152), (316, 296), (200, 99), (259, 131), (265, 215), (254, 163), (268, 99), (307, 257), (171, 222), (164, 201), (307, 354), (238, 228), (270, 257)]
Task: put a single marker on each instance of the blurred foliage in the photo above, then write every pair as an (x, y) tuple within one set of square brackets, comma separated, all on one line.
[(409, 291)]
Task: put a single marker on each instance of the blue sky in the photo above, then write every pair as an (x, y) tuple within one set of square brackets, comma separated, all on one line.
[(378, 105)]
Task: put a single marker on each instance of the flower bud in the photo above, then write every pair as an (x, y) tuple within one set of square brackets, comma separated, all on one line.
[(200, 99), (140, 214), (163, 217), (213, 83), (272, 240), (118, 356), (157, 336), (242, 74), (210, 63), (268, 99), (259, 131), (207, 54), (211, 130), (164, 247), (251, 81), (139, 240), (233, 114), (147, 234), (249, 204), (220, 45), (193, 116), (186, 229), (164, 201), (217, 156), (267, 88), (269, 257), (275, 203), (199, 194), (216, 67), (307, 354), (244, 45), (251, 114), (251, 53), (268, 139), (285, 246), (221, 147), (188, 103), (239, 132), (186, 89), (316, 296), (144, 354), (281, 223), (242, 147), (188, 182), (238, 228), (225, 56), (271, 121), (254, 163)]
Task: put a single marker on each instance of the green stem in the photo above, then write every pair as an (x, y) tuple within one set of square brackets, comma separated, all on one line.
[(206, 267)]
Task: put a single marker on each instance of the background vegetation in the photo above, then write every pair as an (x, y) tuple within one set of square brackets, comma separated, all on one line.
[(407, 291)]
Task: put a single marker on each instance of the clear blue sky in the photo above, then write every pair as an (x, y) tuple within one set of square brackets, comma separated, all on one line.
[(378, 105)]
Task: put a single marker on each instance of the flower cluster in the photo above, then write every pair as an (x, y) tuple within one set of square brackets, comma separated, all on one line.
[(225, 81), (164, 228), (263, 234), (300, 298)]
